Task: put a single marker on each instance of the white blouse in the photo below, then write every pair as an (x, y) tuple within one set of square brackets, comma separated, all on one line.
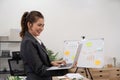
[(38, 40)]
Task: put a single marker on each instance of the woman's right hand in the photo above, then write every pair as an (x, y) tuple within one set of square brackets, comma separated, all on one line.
[(58, 63)]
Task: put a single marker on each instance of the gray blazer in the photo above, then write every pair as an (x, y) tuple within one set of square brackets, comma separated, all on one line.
[(36, 60)]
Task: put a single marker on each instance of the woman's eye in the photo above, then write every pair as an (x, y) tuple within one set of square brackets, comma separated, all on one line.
[(41, 25)]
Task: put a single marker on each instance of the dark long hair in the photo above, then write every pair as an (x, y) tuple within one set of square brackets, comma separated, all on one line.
[(31, 17)]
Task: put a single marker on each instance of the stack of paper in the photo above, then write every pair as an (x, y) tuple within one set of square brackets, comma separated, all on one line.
[(74, 76)]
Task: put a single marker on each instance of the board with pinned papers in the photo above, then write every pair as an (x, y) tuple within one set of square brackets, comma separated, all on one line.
[(91, 54)]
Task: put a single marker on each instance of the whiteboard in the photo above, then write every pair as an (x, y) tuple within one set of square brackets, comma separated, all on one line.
[(91, 55)]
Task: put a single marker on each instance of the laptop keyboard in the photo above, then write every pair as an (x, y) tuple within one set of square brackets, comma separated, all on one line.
[(67, 65)]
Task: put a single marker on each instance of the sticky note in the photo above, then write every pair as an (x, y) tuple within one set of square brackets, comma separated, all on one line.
[(67, 53), (73, 57), (89, 44), (97, 62), (99, 49)]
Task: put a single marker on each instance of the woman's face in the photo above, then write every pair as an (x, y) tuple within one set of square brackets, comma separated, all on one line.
[(37, 27)]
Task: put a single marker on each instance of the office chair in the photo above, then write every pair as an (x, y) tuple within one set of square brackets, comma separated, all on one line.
[(16, 65)]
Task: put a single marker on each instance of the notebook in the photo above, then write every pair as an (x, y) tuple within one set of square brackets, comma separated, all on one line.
[(68, 65)]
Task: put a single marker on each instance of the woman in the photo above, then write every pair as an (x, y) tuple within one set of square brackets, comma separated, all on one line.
[(33, 51)]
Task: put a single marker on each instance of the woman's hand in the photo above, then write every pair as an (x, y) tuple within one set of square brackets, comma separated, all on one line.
[(58, 63), (75, 65)]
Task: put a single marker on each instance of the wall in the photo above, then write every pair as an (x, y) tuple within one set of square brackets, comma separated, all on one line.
[(68, 20)]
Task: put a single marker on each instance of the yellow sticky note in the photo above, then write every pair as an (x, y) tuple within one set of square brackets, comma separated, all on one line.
[(73, 57), (89, 44), (97, 62), (67, 53)]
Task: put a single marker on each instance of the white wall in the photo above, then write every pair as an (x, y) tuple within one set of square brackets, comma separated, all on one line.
[(68, 20)]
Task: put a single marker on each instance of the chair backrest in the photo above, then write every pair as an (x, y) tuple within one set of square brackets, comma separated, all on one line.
[(16, 66), (16, 55)]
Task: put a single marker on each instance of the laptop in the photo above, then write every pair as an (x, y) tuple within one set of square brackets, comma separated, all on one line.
[(68, 65)]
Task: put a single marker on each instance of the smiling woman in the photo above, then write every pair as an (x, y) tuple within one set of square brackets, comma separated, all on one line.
[(33, 52)]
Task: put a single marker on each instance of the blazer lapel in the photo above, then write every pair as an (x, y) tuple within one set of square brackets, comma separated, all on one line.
[(43, 48), (47, 61)]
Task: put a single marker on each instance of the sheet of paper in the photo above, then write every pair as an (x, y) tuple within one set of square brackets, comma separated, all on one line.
[(74, 75)]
